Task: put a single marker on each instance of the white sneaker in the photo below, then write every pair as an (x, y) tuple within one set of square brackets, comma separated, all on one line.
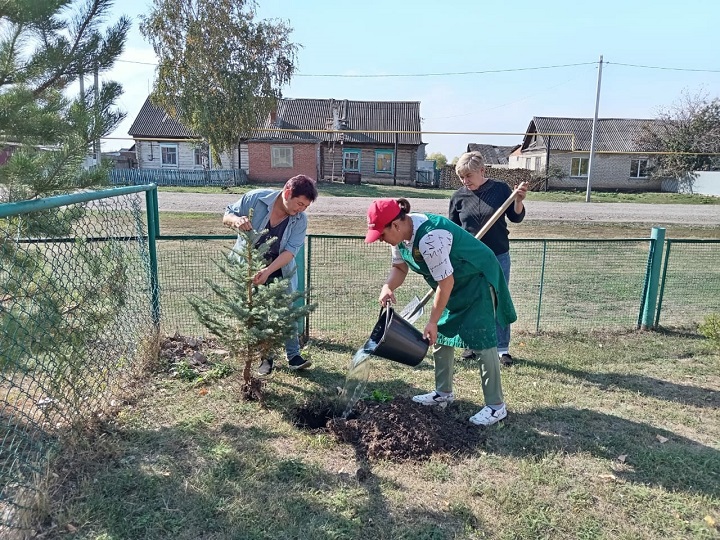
[(487, 416), (433, 398)]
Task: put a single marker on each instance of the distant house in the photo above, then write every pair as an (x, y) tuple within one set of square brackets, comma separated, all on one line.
[(494, 156), (125, 158), (378, 141), (164, 143), (619, 162)]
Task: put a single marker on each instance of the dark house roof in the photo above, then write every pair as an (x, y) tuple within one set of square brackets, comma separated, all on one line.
[(612, 134), (154, 123), (328, 114), (491, 154)]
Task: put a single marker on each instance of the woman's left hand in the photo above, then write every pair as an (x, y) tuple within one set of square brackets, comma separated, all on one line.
[(430, 332)]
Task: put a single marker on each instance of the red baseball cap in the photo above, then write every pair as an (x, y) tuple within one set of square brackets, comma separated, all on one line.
[(379, 216)]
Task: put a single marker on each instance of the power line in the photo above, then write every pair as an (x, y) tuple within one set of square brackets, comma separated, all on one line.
[(442, 74), (665, 68), (136, 62), (482, 72)]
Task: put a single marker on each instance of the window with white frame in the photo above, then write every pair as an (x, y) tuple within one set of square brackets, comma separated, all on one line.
[(638, 168), (528, 162), (579, 166), (198, 157), (383, 161), (282, 157), (537, 163), (168, 154), (351, 160)]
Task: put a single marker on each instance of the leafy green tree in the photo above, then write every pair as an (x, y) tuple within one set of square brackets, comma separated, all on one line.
[(689, 131), (440, 159), (220, 69), (251, 321)]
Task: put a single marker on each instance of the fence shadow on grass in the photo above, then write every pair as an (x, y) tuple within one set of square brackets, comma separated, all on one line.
[(671, 461), (694, 396)]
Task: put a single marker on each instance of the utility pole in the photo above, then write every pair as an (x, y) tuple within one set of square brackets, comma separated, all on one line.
[(96, 144), (594, 127)]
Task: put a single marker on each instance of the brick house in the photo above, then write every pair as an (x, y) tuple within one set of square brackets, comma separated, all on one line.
[(619, 162), (373, 141)]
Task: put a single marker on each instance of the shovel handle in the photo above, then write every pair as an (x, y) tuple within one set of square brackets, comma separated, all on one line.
[(485, 228)]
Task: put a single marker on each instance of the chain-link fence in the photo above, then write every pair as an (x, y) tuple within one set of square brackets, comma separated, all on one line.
[(184, 264), (77, 328), (557, 285)]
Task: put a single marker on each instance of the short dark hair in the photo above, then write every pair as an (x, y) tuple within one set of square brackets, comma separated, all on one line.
[(302, 186)]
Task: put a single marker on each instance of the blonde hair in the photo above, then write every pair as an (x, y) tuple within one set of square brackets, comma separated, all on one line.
[(469, 162)]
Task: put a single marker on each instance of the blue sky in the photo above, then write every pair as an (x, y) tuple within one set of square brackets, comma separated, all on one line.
[(398, 37)]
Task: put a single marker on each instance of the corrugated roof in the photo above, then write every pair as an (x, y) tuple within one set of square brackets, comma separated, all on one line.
[(612, 134), (493, 155), (367, 116), (154, 122)]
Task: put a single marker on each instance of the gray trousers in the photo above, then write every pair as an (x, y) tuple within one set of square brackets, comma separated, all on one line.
[(444, 357)]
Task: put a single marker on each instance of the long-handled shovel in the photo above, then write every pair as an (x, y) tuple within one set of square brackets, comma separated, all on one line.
[(414, 309)]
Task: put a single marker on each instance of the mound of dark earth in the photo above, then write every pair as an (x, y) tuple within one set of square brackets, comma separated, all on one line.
[(397, 430)]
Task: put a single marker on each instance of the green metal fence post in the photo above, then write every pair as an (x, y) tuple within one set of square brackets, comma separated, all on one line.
[(151, 203), (156, 206), (300, 262), (308, 282), (542, 282), (656, 254)]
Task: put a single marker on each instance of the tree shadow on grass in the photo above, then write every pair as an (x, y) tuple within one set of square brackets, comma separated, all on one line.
[(670, 460), (657, 388), (198, 482), (195, 481)]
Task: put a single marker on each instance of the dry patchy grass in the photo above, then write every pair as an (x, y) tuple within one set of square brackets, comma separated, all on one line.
[(609, 436)]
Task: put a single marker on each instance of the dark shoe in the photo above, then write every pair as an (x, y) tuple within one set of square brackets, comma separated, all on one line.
[(468, 354), (266, 367), (298, 362), (506, 360)]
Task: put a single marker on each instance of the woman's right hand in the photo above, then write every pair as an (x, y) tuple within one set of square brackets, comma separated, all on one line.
[(386, 294)]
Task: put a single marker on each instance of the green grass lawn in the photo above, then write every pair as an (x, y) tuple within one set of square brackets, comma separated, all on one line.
[(608, 436)]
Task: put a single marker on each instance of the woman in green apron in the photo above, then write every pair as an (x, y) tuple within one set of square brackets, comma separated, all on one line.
[(470, 291)]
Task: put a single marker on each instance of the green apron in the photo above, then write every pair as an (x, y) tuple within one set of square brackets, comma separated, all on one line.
[(468, 320)]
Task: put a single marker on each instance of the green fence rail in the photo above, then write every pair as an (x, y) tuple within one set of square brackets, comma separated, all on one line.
[(557, 285), (77, 325)]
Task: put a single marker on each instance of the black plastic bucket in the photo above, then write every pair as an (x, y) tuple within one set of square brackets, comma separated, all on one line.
[(393, 338)]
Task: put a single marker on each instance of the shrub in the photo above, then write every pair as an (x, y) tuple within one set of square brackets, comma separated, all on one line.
[(711, 328)]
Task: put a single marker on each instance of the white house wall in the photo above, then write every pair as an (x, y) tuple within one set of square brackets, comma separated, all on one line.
[(148, 156), (609, 171), (520, 162)]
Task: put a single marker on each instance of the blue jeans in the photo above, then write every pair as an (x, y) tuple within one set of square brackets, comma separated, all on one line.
[(292, 345), (503, 332)]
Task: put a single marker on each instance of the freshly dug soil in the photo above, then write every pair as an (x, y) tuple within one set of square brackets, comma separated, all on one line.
[(398, 430)]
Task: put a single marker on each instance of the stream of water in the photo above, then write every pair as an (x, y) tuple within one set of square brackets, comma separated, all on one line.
[(356, 379)]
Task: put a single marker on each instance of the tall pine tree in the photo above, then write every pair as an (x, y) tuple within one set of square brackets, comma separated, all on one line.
[(48, 315), (45, 46)]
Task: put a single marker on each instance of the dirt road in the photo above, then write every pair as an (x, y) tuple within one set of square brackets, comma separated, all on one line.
[(658, 214)]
